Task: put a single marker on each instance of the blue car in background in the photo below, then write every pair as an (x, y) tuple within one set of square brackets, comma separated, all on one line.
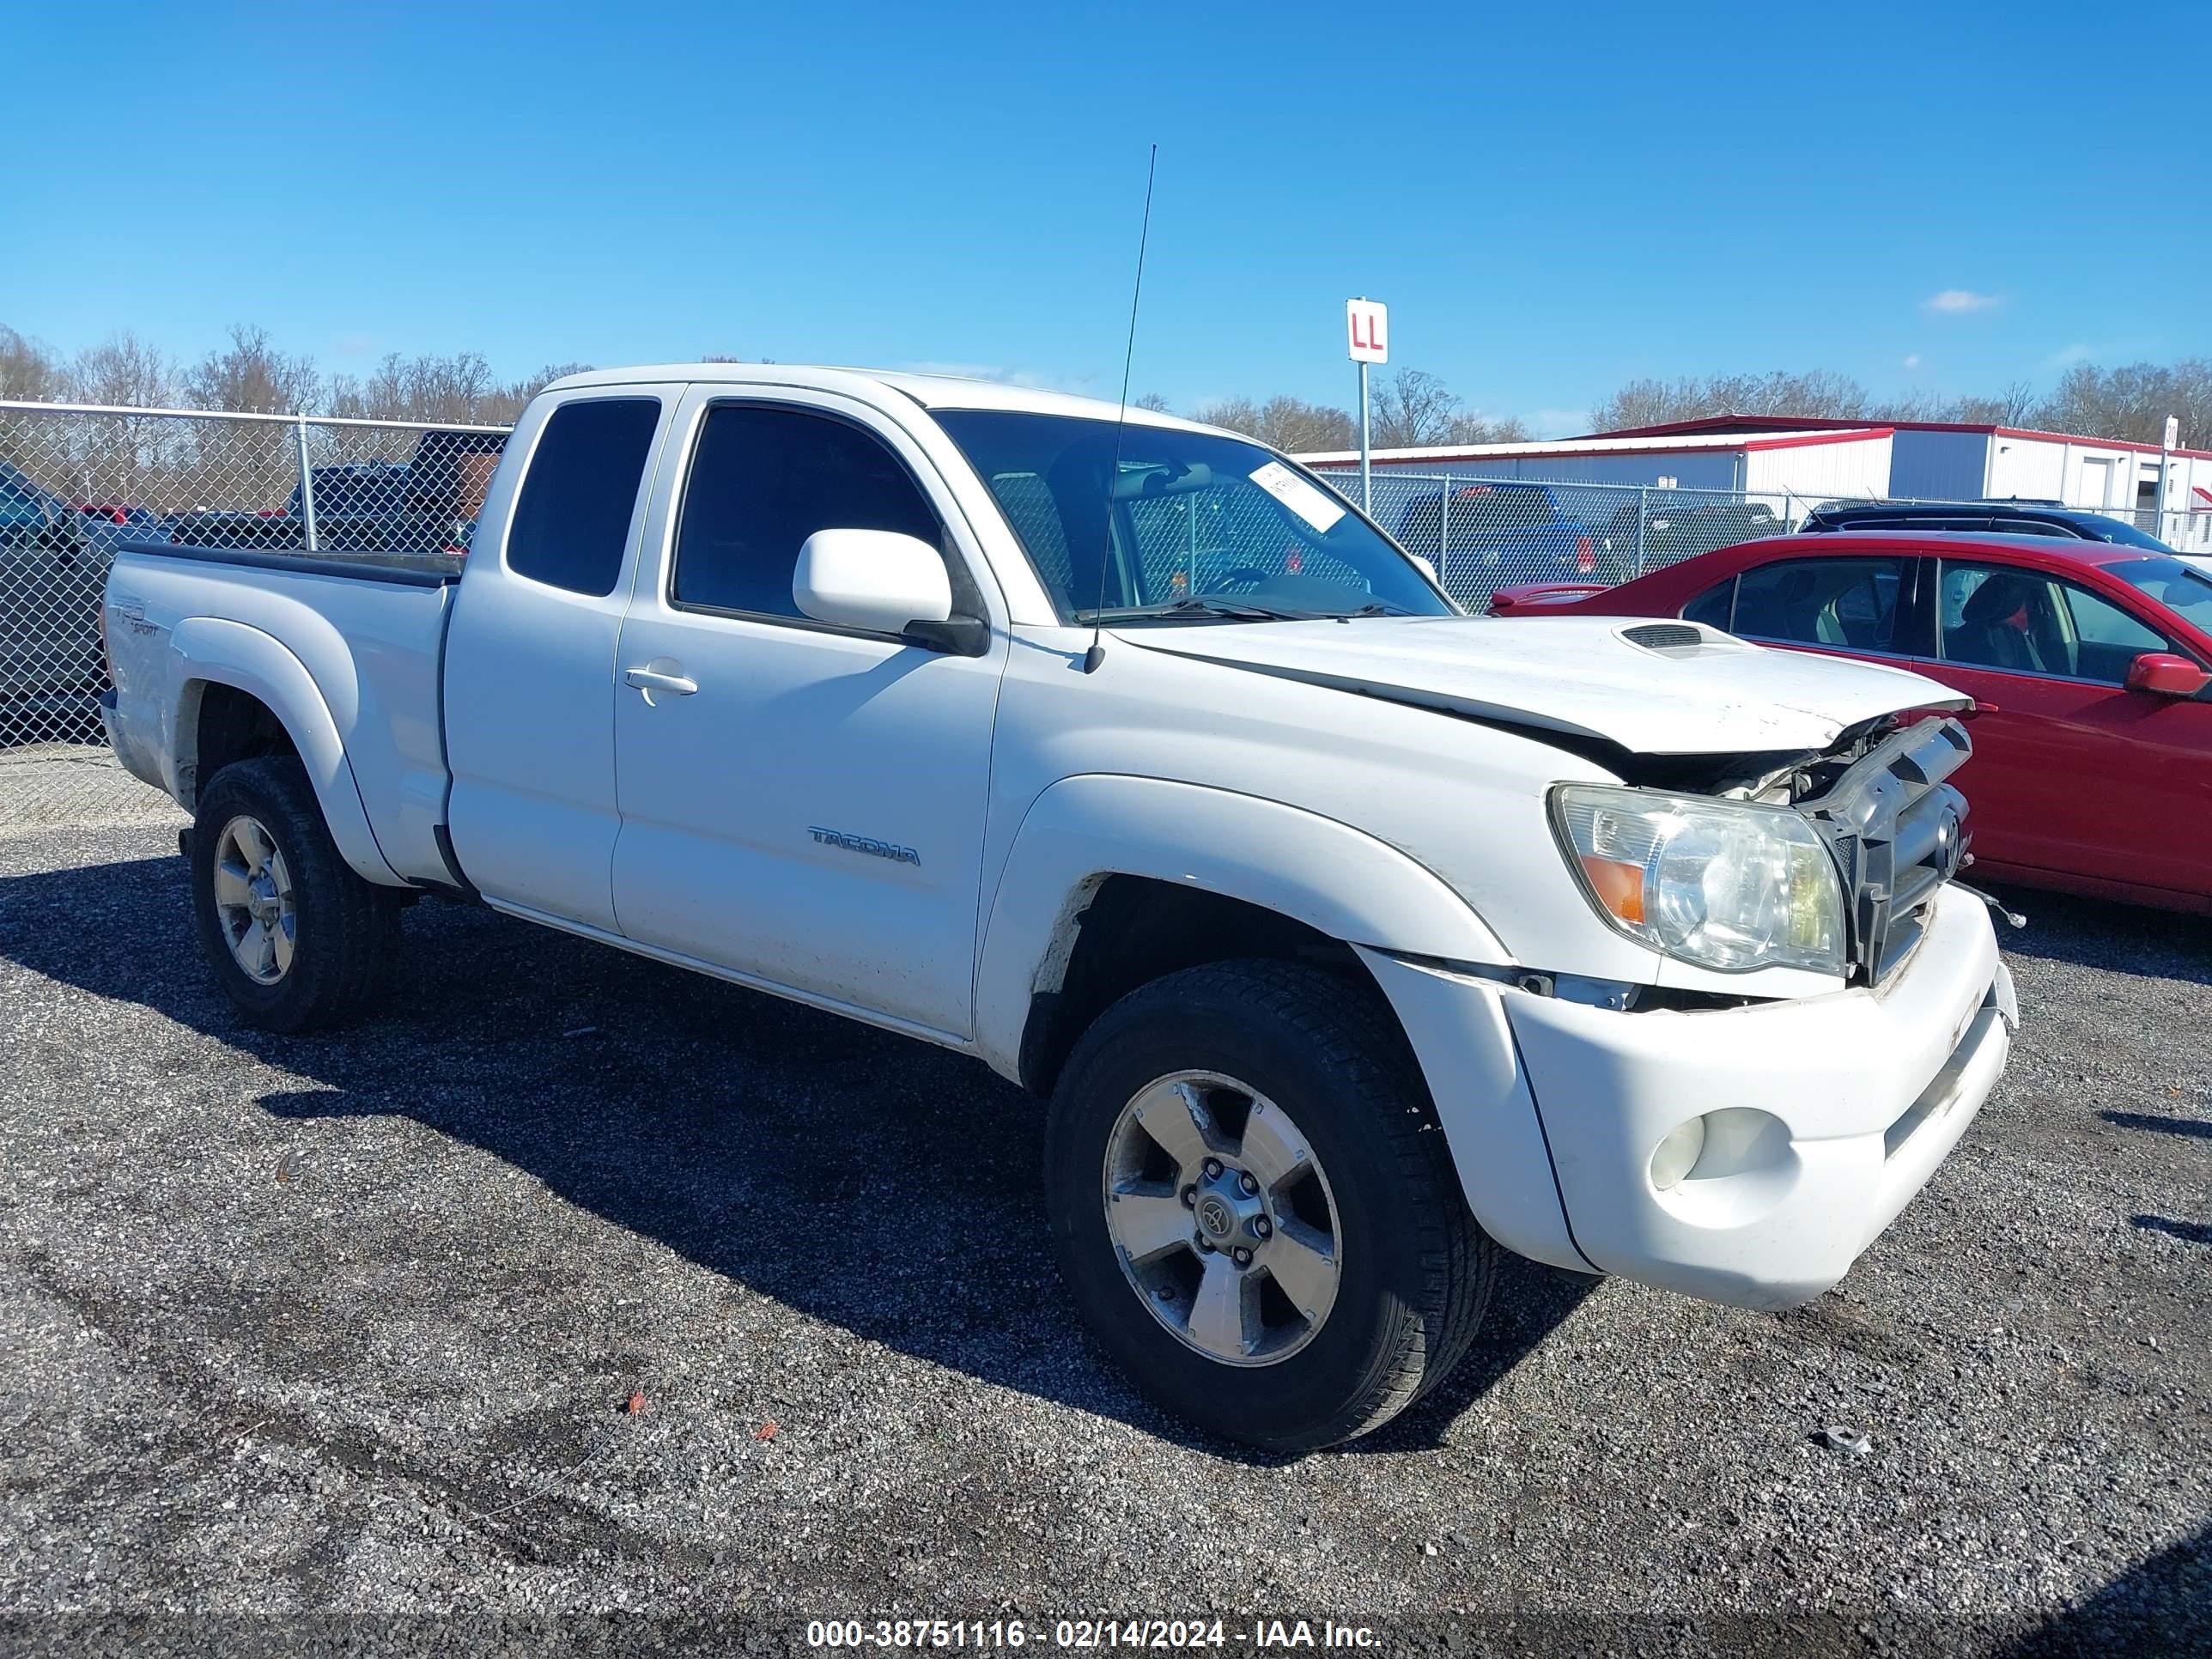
[(1484, 536)]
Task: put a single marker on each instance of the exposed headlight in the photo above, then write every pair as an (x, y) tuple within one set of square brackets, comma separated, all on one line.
[(1726, 884)]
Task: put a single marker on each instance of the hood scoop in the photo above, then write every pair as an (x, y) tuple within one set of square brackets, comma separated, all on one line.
[(1664, 636)]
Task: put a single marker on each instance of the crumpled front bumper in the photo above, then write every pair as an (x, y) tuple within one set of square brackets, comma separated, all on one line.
[(1828, 1112), (1832, 1112)]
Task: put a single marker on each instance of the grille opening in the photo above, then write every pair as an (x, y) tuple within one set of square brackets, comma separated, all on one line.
[(1898, 832)]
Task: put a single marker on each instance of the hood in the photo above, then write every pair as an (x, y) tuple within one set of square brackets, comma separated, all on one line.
[(1651, 687)]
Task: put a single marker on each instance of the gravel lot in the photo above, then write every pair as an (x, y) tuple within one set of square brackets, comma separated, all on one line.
[(354, 1326)]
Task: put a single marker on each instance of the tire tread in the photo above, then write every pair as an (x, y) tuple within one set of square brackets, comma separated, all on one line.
[(345, 963), (1359, 1041)]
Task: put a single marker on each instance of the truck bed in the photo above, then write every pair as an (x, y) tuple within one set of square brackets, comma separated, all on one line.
[(367, 630)]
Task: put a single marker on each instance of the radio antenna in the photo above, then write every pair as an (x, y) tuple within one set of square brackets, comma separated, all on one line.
[(1097, 653)]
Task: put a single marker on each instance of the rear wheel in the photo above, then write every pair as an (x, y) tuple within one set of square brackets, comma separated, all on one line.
[(1254, 1208), (293, 937)]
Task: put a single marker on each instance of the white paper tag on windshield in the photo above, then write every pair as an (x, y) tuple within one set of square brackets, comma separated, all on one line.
[(1314, 506)]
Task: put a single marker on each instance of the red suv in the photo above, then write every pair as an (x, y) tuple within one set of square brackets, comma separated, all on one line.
[(2088, 662)]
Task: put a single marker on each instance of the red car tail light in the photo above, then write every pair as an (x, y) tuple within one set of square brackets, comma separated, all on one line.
[(1585, 555)]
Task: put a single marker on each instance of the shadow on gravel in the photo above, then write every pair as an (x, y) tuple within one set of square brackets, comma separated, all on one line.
[(2194, 1232), (2163, 1606), (2190, 1128), (858, 1177), (2127, 938)]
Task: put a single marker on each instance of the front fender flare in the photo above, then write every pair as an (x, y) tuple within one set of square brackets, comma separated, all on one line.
[(1341, 881), (213, 650)]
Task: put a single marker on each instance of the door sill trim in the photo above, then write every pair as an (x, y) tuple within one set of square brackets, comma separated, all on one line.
[(928, 1034)]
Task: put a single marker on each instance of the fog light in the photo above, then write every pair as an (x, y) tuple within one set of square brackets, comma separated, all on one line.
[(1678, 1154)]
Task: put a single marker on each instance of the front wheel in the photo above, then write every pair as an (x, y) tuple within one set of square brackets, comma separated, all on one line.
[(1254, 1207)]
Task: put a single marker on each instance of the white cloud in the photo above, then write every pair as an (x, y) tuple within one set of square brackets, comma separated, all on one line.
[(1912, 360), (1956, 302)]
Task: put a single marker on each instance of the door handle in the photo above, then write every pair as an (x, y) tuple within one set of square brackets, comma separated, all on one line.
[(652, 679)]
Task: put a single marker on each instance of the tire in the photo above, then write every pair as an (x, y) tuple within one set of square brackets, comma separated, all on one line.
[(1413, 1271), (339, 934)]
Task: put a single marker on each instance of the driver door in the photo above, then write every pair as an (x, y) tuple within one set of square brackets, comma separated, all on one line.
[(801, 804)]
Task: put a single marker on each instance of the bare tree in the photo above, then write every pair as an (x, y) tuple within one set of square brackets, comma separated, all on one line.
[(2129, 403), (28, 369), (123, 369), (1412, 409), (1293, 425), (120, 454), (2132, 402), (519, 393), (30, 372), (1232, 414), (1819, 394), (2015, 405), (1479, 429), (1283, 423), (251, 373), (1156, 403)]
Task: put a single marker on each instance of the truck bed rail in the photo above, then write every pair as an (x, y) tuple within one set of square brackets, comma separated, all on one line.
[(406, 569)]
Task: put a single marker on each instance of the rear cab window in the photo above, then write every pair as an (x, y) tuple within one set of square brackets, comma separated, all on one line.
[(572, 518)]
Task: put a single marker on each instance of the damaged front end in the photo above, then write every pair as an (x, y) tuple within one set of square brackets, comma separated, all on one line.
[(1876, 805)]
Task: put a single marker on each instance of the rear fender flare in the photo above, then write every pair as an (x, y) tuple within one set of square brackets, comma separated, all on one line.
[(213, 650)]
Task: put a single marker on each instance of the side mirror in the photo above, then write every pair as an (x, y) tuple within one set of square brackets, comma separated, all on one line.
[(876, 580), (2165, 675)]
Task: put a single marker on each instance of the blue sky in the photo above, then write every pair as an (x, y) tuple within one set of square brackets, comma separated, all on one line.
[(1552, 199)]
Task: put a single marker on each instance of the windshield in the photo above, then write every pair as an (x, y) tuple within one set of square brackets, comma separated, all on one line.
[(1192, 516), (2182, 589), (2122, 534)]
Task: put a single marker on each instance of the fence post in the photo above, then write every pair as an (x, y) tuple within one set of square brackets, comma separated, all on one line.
[(1444, 536), (307, 485), (1642, 491)]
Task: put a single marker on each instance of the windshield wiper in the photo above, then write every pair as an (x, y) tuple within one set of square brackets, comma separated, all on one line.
[(1205, 605)]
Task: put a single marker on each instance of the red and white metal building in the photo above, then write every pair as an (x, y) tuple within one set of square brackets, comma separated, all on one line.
[(1797, 462), (1813, 462)]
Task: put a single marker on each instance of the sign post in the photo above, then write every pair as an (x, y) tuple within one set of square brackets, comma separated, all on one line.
[(1367, 328), (2171, 442)]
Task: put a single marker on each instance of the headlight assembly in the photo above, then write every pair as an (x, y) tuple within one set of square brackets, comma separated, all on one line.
[(1728, 886)]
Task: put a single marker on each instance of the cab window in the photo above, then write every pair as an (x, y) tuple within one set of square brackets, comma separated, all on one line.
[(763, 479), (572, 520)]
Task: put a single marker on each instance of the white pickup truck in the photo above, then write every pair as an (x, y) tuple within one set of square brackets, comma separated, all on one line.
[(1348, 937)]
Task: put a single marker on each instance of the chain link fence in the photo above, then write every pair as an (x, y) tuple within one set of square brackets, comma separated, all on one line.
[(1482, 534), (79, 481)]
